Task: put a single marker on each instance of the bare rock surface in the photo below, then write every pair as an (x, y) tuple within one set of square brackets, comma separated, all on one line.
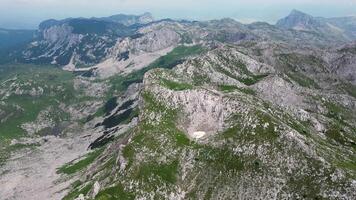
[(32, 173)]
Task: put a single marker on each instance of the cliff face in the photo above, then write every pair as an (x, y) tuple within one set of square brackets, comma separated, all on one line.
[(344, 62)]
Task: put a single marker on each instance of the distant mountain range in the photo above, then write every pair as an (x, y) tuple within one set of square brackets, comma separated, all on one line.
[(98, 25), (315, 29), (129, 20), (10, 38), (86, 42)]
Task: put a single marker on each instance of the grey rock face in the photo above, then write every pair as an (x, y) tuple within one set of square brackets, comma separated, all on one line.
[(348, 24), (55, 33), (333, 27), (344, 62), (130, 54), (299, 21)]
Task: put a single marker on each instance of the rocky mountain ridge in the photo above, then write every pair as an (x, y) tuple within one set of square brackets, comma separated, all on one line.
[(180, 110), (232, 117), (129, 20), (342, 27), (85, 43)]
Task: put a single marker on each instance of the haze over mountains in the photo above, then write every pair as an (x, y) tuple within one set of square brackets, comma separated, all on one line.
[(72, 33), (340, 27), (129, 107), (343, 27)]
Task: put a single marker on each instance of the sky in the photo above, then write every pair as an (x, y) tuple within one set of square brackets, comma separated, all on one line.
[(27, 14)]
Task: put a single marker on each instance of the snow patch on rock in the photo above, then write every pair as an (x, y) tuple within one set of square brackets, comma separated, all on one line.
[(198, 134)]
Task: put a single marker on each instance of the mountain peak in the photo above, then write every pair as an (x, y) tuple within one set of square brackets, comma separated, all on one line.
[(299, 20), (145, 18), (297, 12), (147, 14)]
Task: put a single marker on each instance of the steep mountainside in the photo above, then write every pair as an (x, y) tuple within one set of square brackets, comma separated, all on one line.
[(348, 24), (300, 21), (224, 125), (59, 41), (342, 28), (344, 63)]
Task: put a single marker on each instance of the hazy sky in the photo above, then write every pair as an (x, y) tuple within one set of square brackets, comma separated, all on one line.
[(28, 13)]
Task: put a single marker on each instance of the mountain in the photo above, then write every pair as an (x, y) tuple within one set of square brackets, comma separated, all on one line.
[(343, 27), (344, 62), (175, 109), (300, 21), (348, 24), (129, 20), (11, 38), (78, 44), (60, 41), (12, 41), (94, 44), (227, 120)]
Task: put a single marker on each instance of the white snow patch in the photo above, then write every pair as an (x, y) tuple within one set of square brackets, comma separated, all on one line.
[(198, 134)]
